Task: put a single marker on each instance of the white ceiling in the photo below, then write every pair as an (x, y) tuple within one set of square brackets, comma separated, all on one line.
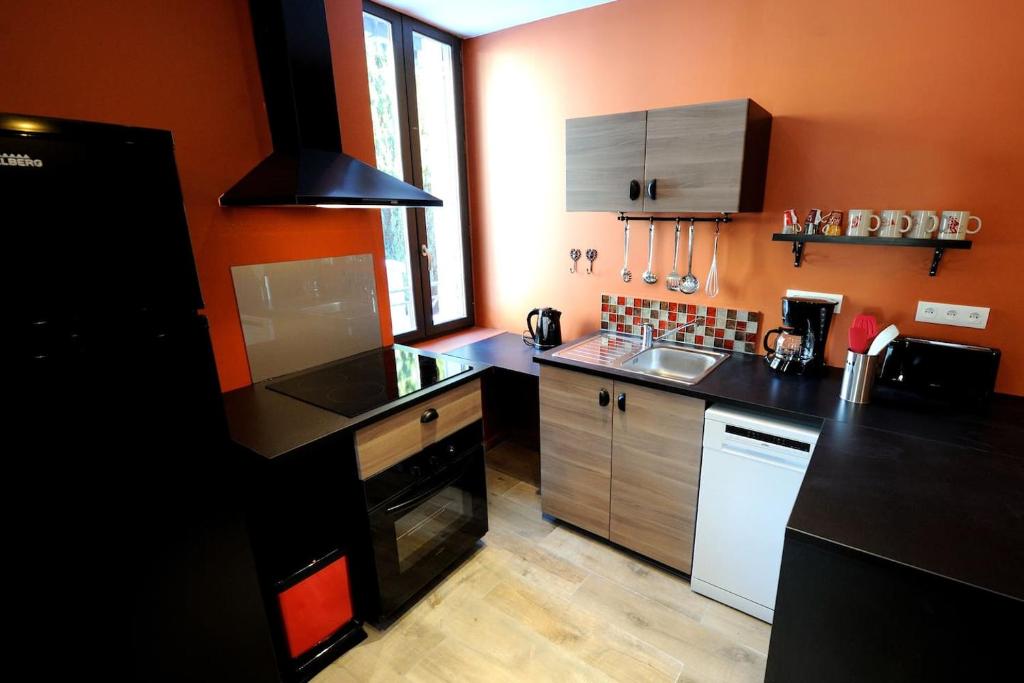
[(471, 18)]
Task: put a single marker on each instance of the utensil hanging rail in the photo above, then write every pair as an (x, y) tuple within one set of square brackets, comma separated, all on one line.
[(724, 218)]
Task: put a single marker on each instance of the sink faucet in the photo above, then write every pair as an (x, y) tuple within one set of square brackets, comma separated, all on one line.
[(648, 337)]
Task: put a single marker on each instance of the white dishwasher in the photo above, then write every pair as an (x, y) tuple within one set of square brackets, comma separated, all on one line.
[(751, 470)]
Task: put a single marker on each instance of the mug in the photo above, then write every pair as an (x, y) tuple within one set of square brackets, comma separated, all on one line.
[(833, 224), (790, 222), (859, 224), (922, 224), (891, 219), (955, 224)]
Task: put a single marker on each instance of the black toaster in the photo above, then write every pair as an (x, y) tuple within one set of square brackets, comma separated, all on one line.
[(939, 370)]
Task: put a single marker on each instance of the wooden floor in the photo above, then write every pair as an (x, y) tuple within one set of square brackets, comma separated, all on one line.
[(541, 601)]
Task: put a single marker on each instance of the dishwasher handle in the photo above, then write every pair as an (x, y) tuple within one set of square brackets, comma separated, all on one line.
[(795, 464)]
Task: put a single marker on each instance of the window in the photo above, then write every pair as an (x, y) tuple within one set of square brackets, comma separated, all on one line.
[(415, 74)]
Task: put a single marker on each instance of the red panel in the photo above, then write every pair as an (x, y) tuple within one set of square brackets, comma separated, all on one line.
[(316, 607)]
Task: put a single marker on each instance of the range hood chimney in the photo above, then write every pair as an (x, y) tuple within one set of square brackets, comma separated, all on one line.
[(307, 166)]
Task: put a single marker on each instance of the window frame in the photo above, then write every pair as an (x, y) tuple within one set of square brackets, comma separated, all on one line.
[(402, 28)]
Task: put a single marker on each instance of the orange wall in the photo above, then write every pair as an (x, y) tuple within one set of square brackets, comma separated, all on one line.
[(910, 104), (189, 66)]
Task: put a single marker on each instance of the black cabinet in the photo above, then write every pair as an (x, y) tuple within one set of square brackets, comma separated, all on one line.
[(306, 519), (847, 617)]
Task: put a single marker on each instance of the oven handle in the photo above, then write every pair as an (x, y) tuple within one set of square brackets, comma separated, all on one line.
[(432, 490)]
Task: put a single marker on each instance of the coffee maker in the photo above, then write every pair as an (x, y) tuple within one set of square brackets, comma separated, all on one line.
[(799, 347)]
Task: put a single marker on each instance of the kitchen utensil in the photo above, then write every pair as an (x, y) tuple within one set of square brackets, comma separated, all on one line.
[(548, 332), (649, 276), (591, 257), (859, 375), (859, 340), (626, 275), (922, 224), (883, 339), (955, 225), (690, 282), (868, 323), (674, 279), (711, 284), (859, 224), (574, 254), (891, 219)]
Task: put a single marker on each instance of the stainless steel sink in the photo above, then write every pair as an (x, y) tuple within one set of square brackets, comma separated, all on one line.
[(681, 364), (672, 361)]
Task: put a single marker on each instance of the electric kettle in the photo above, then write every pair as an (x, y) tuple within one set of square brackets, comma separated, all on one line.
[(548, 332)]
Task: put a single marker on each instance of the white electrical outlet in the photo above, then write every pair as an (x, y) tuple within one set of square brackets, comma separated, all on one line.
[(838, 298), (952, 314)]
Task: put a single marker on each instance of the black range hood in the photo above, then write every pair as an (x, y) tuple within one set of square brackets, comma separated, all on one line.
[(307, 166)]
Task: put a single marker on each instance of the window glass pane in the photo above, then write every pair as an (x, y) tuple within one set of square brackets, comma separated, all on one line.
[(439, 147), (387, 138)]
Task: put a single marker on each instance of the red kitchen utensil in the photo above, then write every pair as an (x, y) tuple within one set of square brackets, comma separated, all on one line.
[(868, 323), (859, 340)]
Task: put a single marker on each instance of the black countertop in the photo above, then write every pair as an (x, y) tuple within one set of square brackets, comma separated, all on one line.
[(505, 350), (272, 424), (937, 489)]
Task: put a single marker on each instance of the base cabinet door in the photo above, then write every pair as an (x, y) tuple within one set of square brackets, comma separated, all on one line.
[(576, 445), (655, 473)]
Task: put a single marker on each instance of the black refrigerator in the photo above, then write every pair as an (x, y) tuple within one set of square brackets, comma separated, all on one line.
[(126, 543)]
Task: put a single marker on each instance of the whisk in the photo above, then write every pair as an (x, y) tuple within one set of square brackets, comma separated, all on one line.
[(711, 283)]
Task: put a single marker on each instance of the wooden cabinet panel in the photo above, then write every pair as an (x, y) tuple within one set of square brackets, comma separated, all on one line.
[(575, 447), (602, 155), (655, 473), (696, 155), (395, 438)]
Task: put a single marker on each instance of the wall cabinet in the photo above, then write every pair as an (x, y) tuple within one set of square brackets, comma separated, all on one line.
[(604, 159), (702, 158), (622, 461)]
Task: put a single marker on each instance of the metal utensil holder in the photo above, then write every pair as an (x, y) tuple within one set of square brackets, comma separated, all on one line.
[(859, 377)]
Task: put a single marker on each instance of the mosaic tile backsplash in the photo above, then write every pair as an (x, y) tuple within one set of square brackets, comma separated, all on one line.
[(724, 328)]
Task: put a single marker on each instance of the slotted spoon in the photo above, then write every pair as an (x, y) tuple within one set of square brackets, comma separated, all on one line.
[(674, 279)]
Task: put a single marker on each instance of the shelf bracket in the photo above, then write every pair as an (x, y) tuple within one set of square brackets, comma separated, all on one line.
[(798, 253), (935, 261)]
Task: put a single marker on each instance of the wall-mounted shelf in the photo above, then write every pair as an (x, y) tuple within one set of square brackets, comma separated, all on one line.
[(939, 246)]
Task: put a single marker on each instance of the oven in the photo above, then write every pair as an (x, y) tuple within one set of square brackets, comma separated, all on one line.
[(426, 513)]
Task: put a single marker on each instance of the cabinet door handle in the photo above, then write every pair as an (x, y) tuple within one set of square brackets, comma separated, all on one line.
[(429, 415), (603, 398), (621, 401), (634, 190), (652, 188)]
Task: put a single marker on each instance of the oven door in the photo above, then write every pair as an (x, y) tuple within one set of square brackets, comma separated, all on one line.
[(419, 533)]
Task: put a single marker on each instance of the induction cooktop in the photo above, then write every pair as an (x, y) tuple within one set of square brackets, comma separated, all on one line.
[(355, 385)]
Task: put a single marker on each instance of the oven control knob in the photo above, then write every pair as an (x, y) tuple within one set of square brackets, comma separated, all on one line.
[(451, 449), (416, 471), (434, 462)]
